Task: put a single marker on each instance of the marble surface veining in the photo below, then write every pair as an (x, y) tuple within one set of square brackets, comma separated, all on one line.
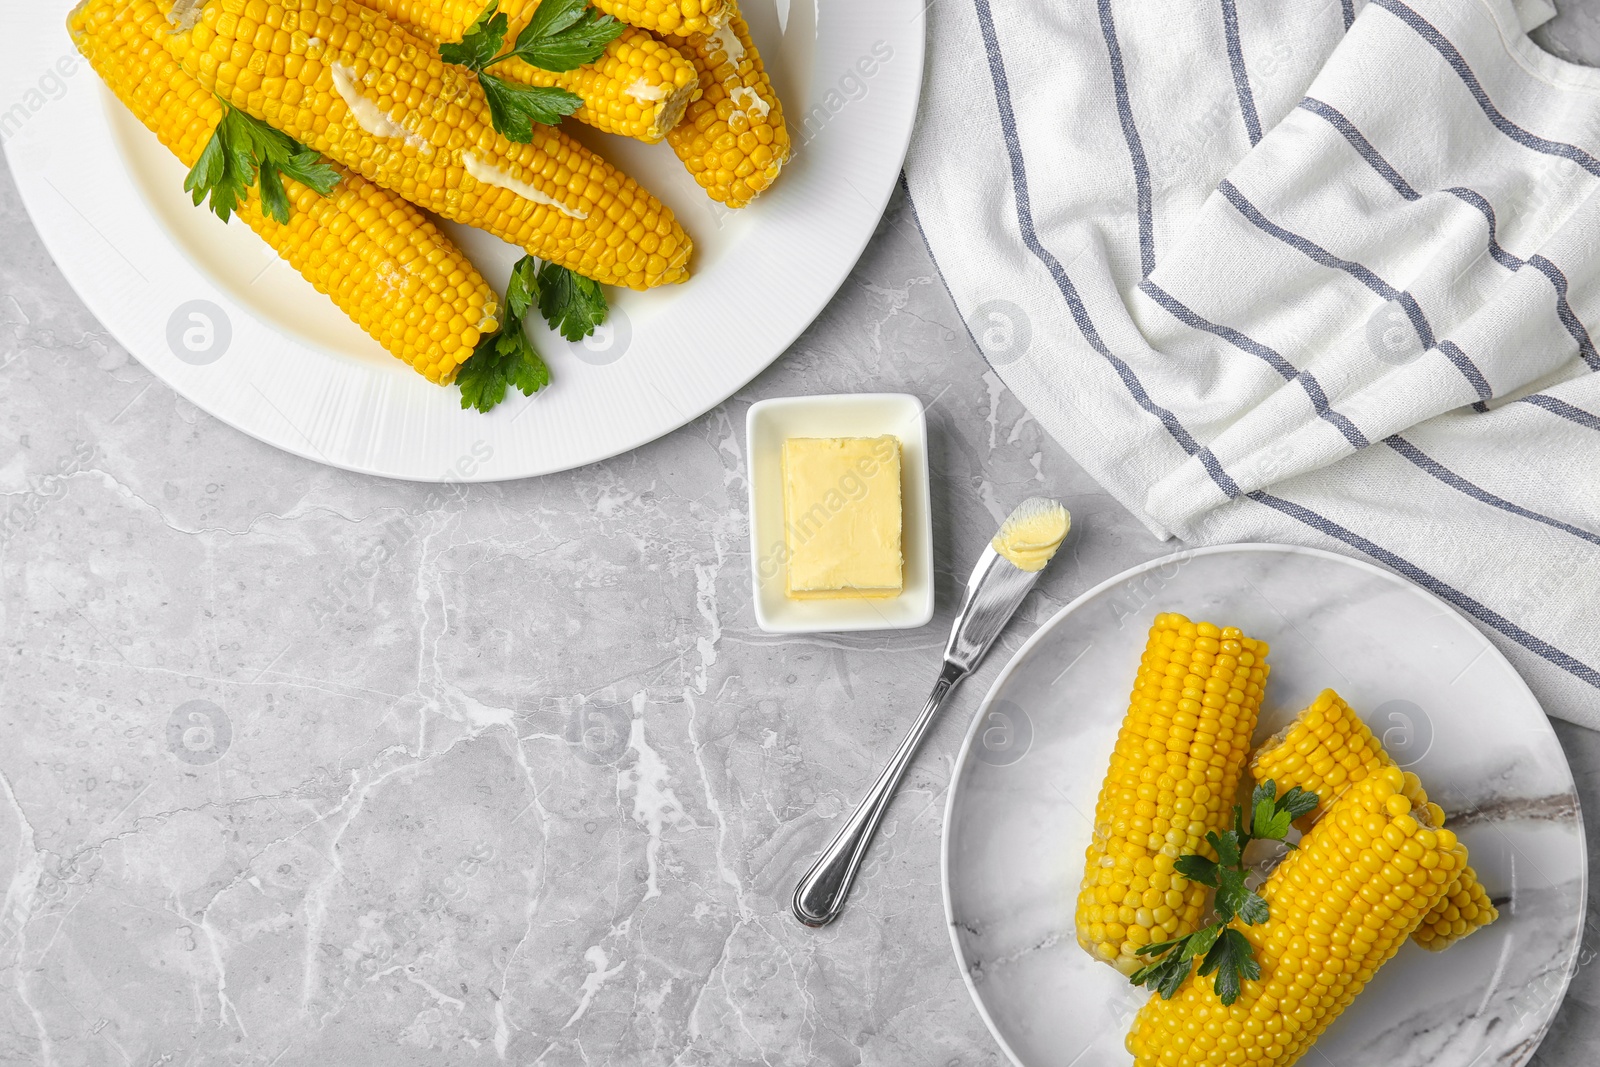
[(304, 767)]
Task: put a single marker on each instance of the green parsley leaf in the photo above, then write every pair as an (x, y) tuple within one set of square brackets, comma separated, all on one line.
[(1297, 802), (216, 174), (522, 291), (506, 358), (245, 151), (1228, 846), (1196, 869), (560, 38), (1268, 822), (1164, 977), (1200, 942), (274, 198), (1253, 910), (1231, 893), (572, 304), (481, 43), (554, 16), (515, 108), (1264, 793), (1231, 960), (1160, 946)]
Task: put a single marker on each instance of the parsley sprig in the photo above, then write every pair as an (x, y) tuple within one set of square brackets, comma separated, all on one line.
[(563, 35), (572, 305), (1222, 949), (245, 152)]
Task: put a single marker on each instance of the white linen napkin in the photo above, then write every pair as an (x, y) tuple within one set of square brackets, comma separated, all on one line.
[(1310, 271)]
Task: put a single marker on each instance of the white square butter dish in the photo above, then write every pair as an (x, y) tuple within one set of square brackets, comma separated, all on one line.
[(768, 425)]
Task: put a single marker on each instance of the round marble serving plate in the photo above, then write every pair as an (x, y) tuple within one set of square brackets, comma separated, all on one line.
[(1447, 705), (211, 312)]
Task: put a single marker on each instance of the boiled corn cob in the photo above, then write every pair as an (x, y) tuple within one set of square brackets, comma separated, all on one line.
[(379, 258), (1463, 909), (354, 85), (1174, 772), (440, 21), (1338, 908), (639, 87), (1326, 750), (670, 16), (732, 138)]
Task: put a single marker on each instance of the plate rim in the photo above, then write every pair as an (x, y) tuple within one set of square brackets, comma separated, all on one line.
[(960, 763), (54, 234)]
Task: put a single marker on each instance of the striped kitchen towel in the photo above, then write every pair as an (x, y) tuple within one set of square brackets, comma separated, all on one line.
[(1311, 271)]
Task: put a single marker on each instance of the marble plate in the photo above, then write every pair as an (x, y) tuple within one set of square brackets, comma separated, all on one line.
[(209, 310), (1448, 706)]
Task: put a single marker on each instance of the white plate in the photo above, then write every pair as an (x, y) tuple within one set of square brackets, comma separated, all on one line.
[(768, 424), (1448, 706), (282, 364)]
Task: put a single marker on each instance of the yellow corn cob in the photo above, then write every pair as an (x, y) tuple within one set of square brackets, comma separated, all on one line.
[(438, 21), (1463, 909), (1174, 772), (639, 87), (670, 16), (380, 259), (1327, 749), (1338, 908), (355, 86), (733, 138)]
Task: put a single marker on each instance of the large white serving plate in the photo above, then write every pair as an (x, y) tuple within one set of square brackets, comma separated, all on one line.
[(1447, 705), (108, 201)]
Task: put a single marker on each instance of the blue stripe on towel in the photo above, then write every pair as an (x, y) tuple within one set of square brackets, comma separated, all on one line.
[(1319, 404), (1316, 252), (1564, 310), (1349, 12), (1313, 388), (1469, 370), (1069, 292), (1178, 310), (1500, 255), (1430, 33), (1565, 410), (1335, 118), (1448, 593), (1241, 77), (1449, 477), (1130, 134), (1552, 273)]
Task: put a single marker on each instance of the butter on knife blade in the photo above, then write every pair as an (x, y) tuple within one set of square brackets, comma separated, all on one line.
[(1032, 532)]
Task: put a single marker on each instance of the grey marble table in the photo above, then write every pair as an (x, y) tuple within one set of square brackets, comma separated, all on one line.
[(304, 767)]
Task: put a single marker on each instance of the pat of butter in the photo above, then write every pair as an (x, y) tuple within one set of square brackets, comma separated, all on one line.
[(841, 517)]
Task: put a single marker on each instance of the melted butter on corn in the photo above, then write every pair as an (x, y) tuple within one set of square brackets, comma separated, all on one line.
[(732, 138), (492, 175), (368, 115), (747, 99)]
